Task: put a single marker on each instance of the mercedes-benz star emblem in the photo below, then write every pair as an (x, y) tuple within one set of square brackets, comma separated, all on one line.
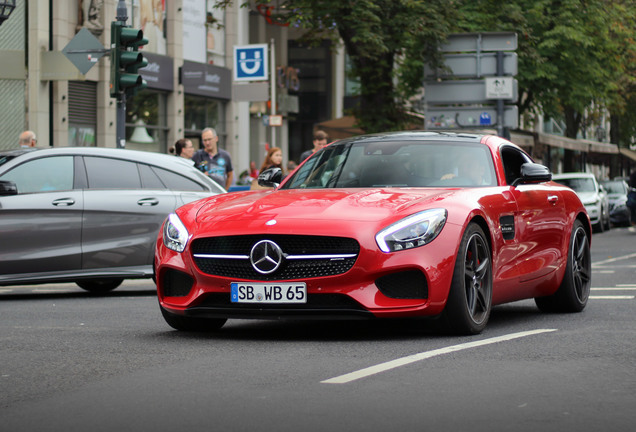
[(266, 256)]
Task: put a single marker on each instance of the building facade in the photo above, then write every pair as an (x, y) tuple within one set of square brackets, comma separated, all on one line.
[(190, 83), (189, 76)]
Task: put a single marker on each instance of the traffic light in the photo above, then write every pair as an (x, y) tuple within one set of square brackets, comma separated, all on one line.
[(126, 60)]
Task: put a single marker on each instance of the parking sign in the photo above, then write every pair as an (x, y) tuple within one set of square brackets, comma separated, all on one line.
[(250, 62)]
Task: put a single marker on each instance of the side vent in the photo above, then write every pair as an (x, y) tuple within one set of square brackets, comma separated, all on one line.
[(507, 225)]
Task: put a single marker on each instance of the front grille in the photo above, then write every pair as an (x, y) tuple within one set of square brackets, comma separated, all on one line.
[(404, 285), (231, 256)]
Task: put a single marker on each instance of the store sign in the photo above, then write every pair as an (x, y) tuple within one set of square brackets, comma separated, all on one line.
[(206, 80), (159, 74)]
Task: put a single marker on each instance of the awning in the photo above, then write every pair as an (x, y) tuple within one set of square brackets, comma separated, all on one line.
[(562, 142), (342, 127), (628, 153), (599, 147), (522, 140), (583, 145)]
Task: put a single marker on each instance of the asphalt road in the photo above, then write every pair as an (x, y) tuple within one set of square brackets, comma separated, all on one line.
[(74, 362)]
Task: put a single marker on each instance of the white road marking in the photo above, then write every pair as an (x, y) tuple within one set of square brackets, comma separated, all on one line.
[(619, 288), (383, 367), (611, 260), (616, 288)]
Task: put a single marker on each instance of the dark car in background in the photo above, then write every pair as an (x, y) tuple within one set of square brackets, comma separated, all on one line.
[(617, 191), (88, 215)]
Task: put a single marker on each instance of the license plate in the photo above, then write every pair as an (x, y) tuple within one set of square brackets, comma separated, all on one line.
[(248, 292)]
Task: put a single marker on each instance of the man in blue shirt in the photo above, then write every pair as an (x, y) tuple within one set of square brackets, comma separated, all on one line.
[(213, 161)]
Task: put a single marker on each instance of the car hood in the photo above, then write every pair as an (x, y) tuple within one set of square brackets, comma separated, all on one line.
[(311, 208), (588, 197)]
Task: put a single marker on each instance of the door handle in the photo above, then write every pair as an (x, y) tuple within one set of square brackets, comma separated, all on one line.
[(148, 202), (63, 202), (553, 199)]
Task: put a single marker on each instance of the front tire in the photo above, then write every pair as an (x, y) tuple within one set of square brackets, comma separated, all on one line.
[(190, 324), (574, 291), (470, 297)]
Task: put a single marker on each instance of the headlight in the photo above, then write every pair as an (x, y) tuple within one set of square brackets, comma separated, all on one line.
[(413, 231), (175, 234)]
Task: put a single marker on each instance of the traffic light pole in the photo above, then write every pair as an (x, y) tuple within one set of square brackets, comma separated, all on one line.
[(122, 16), (121, 121)]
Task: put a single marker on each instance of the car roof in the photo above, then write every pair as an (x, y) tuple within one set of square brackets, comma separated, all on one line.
[(417, 135), (132, 155), (174, 163)]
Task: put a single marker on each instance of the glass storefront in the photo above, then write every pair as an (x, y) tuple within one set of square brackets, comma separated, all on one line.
[(202, 112), (146, 122)]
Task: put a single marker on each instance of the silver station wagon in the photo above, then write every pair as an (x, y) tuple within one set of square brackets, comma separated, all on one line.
[(88, 215)]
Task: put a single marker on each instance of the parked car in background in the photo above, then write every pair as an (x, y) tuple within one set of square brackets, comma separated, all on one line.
[(592, 194), (617, 191), (88, 215), (405, 224)]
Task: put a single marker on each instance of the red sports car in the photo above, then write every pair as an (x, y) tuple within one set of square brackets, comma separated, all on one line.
[(403, 224)]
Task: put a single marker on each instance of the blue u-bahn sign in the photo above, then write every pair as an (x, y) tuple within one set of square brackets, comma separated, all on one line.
[(250, 62)]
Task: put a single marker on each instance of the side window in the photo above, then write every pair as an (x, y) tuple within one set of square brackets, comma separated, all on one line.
[(512, 161), (177, 182), (149, 179), (43, 175), (106, 173)]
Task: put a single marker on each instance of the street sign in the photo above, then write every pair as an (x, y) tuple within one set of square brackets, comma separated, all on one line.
[(464, 92), (499, 87), (473, 65), (470, 117), (84, 50), (250, 63), (477, 42)]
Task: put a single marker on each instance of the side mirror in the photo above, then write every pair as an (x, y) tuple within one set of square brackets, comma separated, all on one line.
[(8, 188), (271, 177), (533, 173)]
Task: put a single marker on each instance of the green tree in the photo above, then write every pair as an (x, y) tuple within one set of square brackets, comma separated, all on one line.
[(572, 53), (388, 42)]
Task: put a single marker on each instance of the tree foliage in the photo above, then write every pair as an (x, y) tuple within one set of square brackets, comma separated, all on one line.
[(576, 57), (388, 43), (572, 53)]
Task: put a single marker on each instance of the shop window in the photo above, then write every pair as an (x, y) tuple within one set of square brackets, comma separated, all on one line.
[(146, 121), (202, 112)]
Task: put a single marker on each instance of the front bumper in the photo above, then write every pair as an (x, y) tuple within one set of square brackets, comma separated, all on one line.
[(408, 283)]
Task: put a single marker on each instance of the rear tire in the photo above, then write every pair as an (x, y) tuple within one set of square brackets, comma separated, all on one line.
[(99, 286), (574, 291), (470, 297), (190, 324)]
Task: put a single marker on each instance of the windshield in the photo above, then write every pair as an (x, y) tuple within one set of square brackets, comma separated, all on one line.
[(578, 184), (396, 164), (615, 187)]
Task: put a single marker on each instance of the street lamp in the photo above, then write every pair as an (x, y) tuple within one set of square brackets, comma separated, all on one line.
[(6, 7)]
